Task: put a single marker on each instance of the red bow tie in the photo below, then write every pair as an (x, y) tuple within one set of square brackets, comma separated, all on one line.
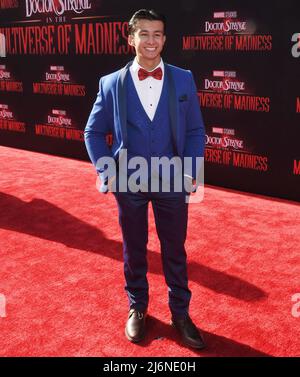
[(143, 74)]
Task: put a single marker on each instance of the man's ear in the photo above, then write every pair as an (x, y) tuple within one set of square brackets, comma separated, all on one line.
[(130, 40)]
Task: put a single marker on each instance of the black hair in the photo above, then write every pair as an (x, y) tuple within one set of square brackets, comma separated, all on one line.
[(145, 14)]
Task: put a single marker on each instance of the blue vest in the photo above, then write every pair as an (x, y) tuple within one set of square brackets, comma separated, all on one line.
[(148, 138)]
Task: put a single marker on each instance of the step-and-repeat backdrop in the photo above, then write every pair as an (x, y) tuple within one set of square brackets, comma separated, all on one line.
[(245, 57)]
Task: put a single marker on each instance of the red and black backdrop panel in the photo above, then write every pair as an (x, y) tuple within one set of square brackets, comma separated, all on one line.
[(245, 57)]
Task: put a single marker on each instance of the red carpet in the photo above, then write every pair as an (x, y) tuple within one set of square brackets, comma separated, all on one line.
[(60, 245)]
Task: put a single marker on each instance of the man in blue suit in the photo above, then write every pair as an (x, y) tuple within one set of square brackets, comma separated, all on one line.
[(152, 110)]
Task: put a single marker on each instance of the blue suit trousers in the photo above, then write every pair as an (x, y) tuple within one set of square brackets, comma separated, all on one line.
[(171, 215)]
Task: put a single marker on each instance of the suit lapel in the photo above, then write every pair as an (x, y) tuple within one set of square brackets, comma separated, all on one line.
[(172, 105), (122, 102)]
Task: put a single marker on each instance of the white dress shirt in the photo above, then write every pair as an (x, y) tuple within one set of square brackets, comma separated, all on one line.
[(148, 90)]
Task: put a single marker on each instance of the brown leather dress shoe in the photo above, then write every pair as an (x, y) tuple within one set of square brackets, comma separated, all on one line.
[(190, 335), (135, 326)]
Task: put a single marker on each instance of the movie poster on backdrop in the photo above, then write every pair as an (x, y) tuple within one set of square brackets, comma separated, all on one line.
[(64, 28), (290, 95), (230, 49), (59, 123), (12, 117), (65, 46), (60, 92), (227, 142), (10, 78)]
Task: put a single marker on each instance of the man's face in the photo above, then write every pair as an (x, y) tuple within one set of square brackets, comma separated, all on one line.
[(148, 41)]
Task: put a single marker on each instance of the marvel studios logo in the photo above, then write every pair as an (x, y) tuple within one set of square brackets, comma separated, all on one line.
[(59, 112), (57, 68), (223, 131), (228, 14), (224, 74)]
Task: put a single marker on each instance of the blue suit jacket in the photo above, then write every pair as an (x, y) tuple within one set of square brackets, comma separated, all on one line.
[(108, 115)]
